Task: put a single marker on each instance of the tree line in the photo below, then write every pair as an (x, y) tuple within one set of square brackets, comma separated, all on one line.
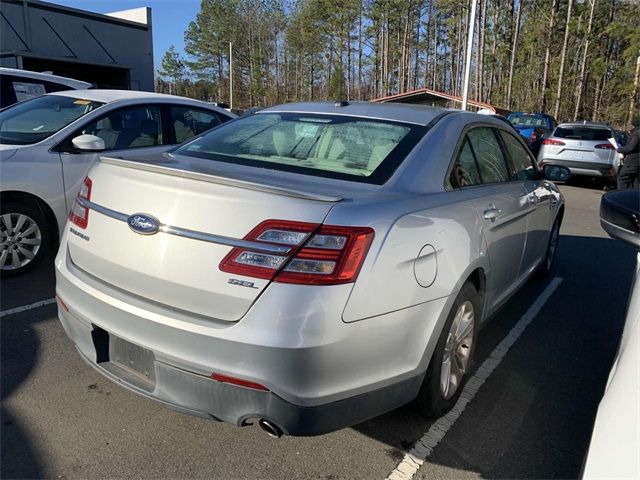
[(576, 59)]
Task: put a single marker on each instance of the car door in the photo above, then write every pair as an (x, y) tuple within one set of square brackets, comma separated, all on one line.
[(539, 205), (502, 207), (129, 132)]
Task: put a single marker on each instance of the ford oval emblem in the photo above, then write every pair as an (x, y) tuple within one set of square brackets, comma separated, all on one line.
[(143, 224)]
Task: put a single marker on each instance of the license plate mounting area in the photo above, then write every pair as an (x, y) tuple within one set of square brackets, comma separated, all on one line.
[(129, 362)]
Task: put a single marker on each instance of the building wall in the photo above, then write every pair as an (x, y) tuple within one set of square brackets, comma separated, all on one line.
[(108, 50)]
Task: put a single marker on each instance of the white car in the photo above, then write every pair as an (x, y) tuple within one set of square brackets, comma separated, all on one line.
[(615, 443), (48, 143), (583, 148), (18, 85)]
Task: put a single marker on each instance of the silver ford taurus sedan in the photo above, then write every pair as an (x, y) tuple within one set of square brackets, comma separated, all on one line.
[(309, 266)]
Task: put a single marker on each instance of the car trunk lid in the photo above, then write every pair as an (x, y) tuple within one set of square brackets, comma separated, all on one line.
[(581, 150), (584, 144), (201, 217)]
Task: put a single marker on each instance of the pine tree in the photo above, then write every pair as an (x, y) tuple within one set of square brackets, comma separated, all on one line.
[(293, 50), (173, 68)]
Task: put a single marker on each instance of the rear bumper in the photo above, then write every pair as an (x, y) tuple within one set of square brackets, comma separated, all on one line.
[(198, 395), (322, 374), (592, 169)]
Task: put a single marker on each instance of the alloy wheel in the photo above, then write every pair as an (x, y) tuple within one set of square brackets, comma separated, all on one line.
[(457, 350), (20, 240)]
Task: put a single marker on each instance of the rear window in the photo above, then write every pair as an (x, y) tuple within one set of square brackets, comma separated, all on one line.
[(582, 133), (341, 147), (524, 120)]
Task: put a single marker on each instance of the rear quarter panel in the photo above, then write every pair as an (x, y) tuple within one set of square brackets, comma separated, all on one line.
[(423, 248)]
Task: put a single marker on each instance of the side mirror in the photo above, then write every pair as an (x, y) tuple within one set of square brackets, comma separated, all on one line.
[(620, 215), (556, 173), (88, 143)]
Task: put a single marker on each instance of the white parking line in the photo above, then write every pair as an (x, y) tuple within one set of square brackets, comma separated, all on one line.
[(423, 448), (23, 308)]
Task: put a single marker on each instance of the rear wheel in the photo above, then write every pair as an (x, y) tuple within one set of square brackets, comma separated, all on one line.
[(453, 355), (24, 238)]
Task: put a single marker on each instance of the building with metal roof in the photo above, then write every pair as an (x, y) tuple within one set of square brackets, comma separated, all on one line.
[(426, 96), (110, 51)]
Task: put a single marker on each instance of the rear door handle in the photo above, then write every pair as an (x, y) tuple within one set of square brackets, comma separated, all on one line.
[(492, 213)]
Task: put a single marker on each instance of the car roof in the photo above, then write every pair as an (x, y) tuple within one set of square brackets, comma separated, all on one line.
[(110, 96), (586, 125), (400, 112), (48, 77)]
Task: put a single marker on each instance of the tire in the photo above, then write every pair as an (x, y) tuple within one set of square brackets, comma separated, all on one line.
[(546, 267), (25, 238), (434, 399)]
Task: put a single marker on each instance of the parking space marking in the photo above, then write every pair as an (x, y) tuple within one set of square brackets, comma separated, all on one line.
[(23, 308), (423, 448)]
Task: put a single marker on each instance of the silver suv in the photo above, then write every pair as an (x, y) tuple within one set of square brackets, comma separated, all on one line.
[(584, 148)]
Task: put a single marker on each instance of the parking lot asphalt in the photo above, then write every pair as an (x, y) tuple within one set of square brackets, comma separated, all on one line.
[(532, 418)]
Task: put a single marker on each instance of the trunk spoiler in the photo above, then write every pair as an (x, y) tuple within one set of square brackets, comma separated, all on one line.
[(206, 177)]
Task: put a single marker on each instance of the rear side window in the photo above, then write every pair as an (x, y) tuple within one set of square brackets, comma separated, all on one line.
[(349, 148), (582, 133), (520, 158), (7, 95), (189, 122), (132, 127), (17, 89), (491, 162), (465, 170)]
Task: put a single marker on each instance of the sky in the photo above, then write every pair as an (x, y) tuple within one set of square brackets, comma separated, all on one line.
[(170, 18)]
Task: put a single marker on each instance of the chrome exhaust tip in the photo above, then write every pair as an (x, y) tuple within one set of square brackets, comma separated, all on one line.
[(271, 428)]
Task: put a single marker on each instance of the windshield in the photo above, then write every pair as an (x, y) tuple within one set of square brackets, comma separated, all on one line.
[(341, 147), (528, 120), (34, 120), (583, 133)]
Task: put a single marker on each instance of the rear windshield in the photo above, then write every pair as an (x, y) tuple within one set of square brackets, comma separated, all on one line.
[(34, 120), (582, 133), (524, 120), (347, 148)]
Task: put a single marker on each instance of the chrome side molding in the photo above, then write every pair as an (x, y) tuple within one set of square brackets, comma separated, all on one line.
[(192, 234)]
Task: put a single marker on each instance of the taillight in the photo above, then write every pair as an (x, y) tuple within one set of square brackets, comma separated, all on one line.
[(605, 146), (319, 255), (259, 264), (550, 141), (333, 255), (79, 214)]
